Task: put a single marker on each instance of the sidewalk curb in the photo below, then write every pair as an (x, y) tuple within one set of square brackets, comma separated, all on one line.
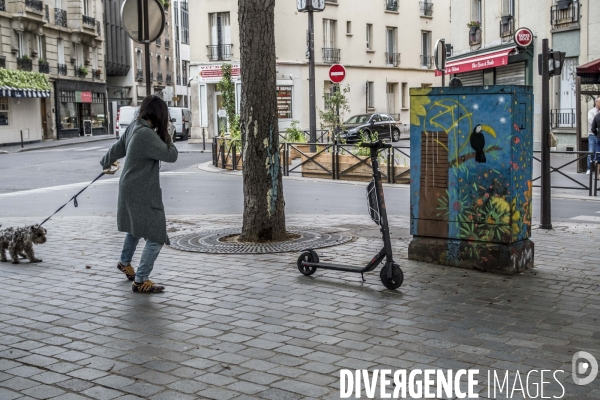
[(59, 143)]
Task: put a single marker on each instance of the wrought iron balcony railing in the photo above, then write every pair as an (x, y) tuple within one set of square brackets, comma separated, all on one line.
[(426, 8), (61, 69), (159, 77), (46, 13), (565, 14), (474, 36), (2, 5), (24, 64), (507, 28), (391, 5), (178, 79), (562, 118), (331, 55), (89, 21), (44, 68), (60, 17), (184, 80), (392, 59), (34, 5), (221, 52), (139, 75), (169, 78), (96, 73), (426, 61)]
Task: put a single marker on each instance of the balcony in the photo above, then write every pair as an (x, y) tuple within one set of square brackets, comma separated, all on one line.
[(426, 9), (391, 5), (474, 36), (507, 28), (24, 64), (96, 73), (159, 77), (562, 118), (89, 22), (184, 80), (178, 80), (392, 59), (34, 5), (2, 5), (221, 52), (81, 72), (169, 79), (426, 61), (139, 75), (44, 68), (331, 55), (565, 15), (61, 69), (60, 17), (167, 43)]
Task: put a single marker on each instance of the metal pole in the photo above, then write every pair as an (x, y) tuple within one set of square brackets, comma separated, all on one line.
[(337, 114), (21, 139), (147, 47), (311, 83), (546, 200), (203, 139), (443, 78)]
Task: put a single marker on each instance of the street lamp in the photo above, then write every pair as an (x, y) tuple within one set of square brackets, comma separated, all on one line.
[(310, 6)]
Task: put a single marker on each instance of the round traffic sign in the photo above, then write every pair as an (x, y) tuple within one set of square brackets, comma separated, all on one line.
[(337, 73), (133, 22), (523, 37)]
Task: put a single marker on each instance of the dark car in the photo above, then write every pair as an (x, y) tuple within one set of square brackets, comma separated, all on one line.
[(382, 124)]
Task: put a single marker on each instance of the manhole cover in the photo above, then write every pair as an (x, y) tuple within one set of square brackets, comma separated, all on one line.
[(208, 242)]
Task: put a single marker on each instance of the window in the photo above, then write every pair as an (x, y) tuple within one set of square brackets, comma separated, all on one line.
[(370, 95), (220, 37), (60, 49), (348, 28), (284, 102), (404, 95), (138, 59), (168, 66), (369, 36), (95, 58), (41, 45), (329, 34), (476, 10), (508, 7), (158, 64), (426, 49), (391, 46), (4, 111), (391, 98), (87, 10), (22, 44), (185, 24)]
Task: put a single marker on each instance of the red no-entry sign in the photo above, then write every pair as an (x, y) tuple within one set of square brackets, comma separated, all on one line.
[(337, 73)]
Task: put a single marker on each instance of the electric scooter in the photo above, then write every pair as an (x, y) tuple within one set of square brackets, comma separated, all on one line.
[(391, 275)]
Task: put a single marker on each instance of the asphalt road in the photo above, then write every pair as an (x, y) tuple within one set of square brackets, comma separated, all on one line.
[(36, 183)]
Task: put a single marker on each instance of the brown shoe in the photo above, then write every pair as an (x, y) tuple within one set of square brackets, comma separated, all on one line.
[(127, 270), (146, 287)]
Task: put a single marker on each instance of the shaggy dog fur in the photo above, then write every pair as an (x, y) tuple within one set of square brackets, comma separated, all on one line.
[(20, 241)]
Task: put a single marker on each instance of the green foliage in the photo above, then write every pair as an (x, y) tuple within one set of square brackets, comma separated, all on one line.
[(83, 70), (364, 151), (25, 58), (294, 134), (24, 79), (329, 119), (227, 89)]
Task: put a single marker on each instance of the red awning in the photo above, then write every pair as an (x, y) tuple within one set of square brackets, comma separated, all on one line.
[(491, 59), (593, 67)]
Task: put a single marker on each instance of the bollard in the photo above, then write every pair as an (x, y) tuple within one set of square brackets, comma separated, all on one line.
[(21, 138), (203, 140)]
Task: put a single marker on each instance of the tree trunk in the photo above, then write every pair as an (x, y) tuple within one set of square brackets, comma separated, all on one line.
[(264, 216)]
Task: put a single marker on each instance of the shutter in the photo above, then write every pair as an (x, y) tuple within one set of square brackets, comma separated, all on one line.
[(214, 36), (226, 26), (512, 74), (61, 51), (474, 78)]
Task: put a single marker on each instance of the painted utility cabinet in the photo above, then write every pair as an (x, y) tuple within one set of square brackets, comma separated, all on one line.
[(471, 177)]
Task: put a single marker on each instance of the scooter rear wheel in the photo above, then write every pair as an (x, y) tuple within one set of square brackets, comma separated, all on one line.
[(308, 256), (395, 280)]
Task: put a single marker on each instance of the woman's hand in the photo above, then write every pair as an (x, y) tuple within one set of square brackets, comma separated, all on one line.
[(112, 169)]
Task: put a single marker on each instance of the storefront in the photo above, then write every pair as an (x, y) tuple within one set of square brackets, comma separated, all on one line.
[(80, 108), (21, 113)]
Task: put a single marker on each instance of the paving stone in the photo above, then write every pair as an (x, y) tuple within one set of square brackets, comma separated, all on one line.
[(218, 394), (187, 386), (49, 377), (43, 392), (172, 395), (18, 383), (75, 385), (6, 394)]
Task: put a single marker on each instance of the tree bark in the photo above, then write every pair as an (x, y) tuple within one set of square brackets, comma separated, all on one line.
[(264, 214)]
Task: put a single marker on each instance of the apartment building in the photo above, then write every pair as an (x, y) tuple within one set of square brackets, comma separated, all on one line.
[(181, 59), (385, 45), (62, 39), (485, 53)]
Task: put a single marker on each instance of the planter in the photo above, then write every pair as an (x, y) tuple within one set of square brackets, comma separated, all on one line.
[(350, 168), (473, 30), (229, 163), (305, 148)]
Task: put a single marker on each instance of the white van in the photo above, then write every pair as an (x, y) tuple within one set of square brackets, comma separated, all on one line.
[(127, 114), (183, 121)]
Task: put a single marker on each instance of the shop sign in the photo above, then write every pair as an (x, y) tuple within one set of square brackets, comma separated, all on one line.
[(214, 73), (284, 102), (523, 37), (83, 97)]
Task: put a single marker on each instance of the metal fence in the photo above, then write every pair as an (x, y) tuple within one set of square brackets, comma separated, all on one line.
[(577, 185)]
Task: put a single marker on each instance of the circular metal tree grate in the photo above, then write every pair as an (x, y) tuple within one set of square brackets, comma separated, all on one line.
[(208, 242)]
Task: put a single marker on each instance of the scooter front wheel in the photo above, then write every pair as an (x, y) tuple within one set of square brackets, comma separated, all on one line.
[(307, 256), (393, 282)]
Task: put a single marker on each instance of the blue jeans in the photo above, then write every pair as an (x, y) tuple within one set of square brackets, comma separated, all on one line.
[(149, 255), (592, 146)]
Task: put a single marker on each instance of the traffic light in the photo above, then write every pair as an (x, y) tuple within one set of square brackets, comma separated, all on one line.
[(556, 60)]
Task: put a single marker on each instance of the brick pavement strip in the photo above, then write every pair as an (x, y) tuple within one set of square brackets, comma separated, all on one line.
[(251, 326)]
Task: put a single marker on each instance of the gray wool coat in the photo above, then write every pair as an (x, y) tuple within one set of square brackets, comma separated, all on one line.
[(140, 209)]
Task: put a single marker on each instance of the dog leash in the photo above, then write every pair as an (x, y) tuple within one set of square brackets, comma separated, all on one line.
[(110, 171)]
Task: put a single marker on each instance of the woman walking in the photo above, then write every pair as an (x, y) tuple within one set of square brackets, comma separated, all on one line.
[(140, 210)]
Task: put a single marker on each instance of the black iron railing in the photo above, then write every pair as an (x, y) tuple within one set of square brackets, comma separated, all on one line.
[(221, 52), (169, 78), (426, 61), (167, 43), (331, 55), (184, 79), (392, 59), (178, 80), (426, 8), (159, 76), (578, 184), (35, 5), (46, 13), (24, 64), (44, 67), (61, 69), (474, 36), (60, 17), (2, 5), (139, 75), (562, 118), (96, 73), (89, 21), (564, 14), (391, 5), (507, 27)]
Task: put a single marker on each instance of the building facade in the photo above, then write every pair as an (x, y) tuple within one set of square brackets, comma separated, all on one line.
[(62, 39), (386, 47), (181, 59), (482, 38)]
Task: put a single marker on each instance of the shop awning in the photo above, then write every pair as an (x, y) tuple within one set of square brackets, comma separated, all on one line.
[(491, 59), (7, 91), (593, 67)]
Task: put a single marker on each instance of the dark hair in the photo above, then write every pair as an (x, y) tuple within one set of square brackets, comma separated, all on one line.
[(155, 110)]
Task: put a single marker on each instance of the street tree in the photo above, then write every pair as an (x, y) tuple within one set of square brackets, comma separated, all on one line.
[(264, 216)]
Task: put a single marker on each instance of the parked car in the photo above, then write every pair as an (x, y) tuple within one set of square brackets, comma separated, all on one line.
[(382, 124), (127, 114), (183, 121)]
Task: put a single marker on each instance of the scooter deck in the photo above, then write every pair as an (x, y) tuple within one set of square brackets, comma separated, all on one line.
[(338, 267)]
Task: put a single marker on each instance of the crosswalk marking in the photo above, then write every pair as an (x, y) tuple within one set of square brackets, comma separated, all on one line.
[(587, 218), (89, 148)]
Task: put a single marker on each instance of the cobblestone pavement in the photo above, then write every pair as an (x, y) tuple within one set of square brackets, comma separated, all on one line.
[(251, 326)]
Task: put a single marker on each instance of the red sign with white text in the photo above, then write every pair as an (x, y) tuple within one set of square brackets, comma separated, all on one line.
[(523, 37), (337, 73), (482, 61)]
